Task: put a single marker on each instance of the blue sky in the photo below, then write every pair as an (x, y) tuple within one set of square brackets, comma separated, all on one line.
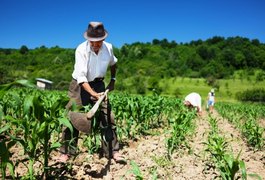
[(62, 22)]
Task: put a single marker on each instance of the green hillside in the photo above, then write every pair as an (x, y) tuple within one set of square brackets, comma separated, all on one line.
[(230, 65)]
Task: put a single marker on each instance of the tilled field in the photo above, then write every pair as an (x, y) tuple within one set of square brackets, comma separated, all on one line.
[(147, 158)]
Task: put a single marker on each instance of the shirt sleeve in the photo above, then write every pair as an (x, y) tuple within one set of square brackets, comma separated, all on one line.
[(80, 67), (113, 59)]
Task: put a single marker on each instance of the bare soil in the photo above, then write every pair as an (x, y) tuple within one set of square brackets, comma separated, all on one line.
[(150, 155)]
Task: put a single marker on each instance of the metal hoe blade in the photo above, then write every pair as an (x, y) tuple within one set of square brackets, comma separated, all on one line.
[(80, 121)]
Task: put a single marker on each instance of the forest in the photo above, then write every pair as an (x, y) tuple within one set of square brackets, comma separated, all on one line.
[(148, 63)]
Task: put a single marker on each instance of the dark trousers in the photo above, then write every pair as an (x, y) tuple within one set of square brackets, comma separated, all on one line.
[(82, 98)]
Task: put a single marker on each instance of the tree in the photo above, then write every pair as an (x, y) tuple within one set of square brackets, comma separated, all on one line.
[(255, 42), (215, 40), (24, 49), (206, 53), (156, 42)]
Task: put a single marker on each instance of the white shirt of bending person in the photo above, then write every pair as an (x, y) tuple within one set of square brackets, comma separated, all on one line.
[(89, 65), (195, 100)]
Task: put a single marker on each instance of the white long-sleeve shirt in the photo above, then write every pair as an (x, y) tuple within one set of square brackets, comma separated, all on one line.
[(195, 100), (89, 65)]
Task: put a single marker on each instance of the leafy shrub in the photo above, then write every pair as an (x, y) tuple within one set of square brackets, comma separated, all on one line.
[(260, 76), (254, 95)]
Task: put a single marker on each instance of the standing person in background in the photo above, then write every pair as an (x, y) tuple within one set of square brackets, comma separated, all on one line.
[(211, 100), (193, 100), (92, 59)]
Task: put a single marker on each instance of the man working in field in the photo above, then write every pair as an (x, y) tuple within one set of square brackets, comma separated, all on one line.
[(92, 59)]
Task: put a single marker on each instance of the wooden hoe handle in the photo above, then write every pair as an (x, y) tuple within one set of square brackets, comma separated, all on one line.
[(94, 109)]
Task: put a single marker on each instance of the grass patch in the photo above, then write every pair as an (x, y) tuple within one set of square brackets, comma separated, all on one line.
[(180, 87)]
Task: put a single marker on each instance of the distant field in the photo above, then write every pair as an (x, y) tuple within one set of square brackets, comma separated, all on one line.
[(227, 88)]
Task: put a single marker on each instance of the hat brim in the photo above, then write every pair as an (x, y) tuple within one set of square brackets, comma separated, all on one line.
[(95, 39)]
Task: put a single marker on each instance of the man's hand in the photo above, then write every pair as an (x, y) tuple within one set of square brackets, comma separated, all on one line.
[(95, 96)]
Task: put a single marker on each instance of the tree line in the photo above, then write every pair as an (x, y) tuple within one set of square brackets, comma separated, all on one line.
[(216, 57)]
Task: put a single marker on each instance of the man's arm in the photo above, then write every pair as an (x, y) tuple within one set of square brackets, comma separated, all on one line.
[(88, 88), (113, 69)]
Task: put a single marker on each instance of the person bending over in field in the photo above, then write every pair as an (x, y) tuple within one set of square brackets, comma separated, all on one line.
[(193, 100)]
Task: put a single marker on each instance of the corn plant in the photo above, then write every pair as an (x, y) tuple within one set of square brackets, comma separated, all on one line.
[(245, 117), (213, 123), (93, 141), (225, 162), (163, 162), (5, 155), (216, 145), (254, 134), (229, 166), (181, 126), (138, 115), (33, 126), (135, 170)]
